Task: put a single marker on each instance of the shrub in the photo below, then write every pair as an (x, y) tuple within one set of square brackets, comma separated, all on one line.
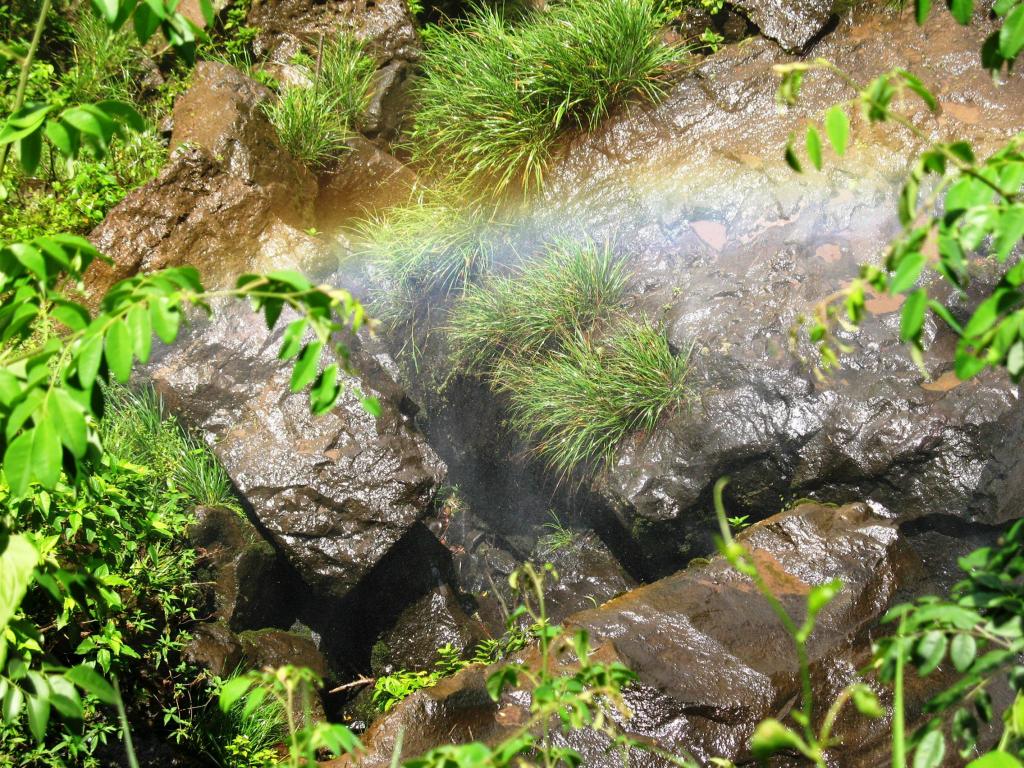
[(550, 300), (239, 738), (578, 404), (315, 121), (495, 95), (106, 64)]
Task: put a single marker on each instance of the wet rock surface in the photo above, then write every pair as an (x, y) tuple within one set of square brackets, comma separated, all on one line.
[(226, 199), (793, 24), (334, 493), (711, 657), (728, 247)]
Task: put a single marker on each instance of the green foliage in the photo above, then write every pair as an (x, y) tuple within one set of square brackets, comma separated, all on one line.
[(546, 303), (314, 122), (558, 536), (136, 428), (430, 246), (579, 403), (290, 689), (239, 737), (496, 93)]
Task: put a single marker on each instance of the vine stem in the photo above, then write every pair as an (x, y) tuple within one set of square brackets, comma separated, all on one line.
[(26, 67)]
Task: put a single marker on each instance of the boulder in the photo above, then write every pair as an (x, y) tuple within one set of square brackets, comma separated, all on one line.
[(273, 648), (588, 574), (228, 195), (334, 493), (286, 25), (435, 620), (711, 657), (214, 647), (793, 24), (252, 587), (365, 179), (728, 247)]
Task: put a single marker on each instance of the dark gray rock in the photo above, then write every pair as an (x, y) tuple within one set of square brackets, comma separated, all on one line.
[(793, 24), (336, 492), (229, 199), (435, 620)]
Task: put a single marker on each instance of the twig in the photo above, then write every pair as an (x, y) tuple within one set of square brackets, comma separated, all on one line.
[(357, 683)]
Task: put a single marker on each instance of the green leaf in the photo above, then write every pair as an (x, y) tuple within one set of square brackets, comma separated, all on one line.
[(90, 681), (907, 273), (1009, 230), (325, 391), (89, 357), (813, 143), (962, 11), (912, 316), (371, 405), (1011, 36), (107, 9), (119, 351), (62, 138), (17, 561), (790, 154), (771, 737), (962, 651), (837, 126), (930, 650), (166, 319), (866, 702), (38, 709), (124, 111), (68, 420), (233, 690), (306, 365), (930, 751), (923, 7), (821, 595), (141, 331), (29, 150), (998, 759), (496, 683)]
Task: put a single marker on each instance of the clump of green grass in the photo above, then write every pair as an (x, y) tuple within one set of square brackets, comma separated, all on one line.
[(547, 302), (558, 536), (136, 428), (495, 94), (314, 122), (429, 247), (239, 738), (578, 404)]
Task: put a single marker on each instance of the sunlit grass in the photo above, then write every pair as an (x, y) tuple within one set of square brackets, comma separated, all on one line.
[(496, 92), (547, 302), (578, 404)]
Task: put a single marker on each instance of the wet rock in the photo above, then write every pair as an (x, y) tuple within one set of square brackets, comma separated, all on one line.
[(226, 196), (793, 24), (728, 247), (286, 25), (387, 112), (214, 647), (277, 647), (335, 493), (710, 655), (588, 575), (435, 620), (252, 587), (365, 179)]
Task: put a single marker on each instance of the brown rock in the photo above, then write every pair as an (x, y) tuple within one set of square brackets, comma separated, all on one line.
[(228, 191), (365, 179)]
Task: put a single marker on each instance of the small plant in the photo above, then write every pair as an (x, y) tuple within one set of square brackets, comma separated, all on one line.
[(314, 122), (559, 536), (546, 303), (581, 402), (497, 92), (739, 523), (239, 737)]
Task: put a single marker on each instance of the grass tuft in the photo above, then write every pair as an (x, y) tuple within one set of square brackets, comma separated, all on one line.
[(136, 428), (547, 302), (578, 404), (496, 92), (427, 248), (315, 122)]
